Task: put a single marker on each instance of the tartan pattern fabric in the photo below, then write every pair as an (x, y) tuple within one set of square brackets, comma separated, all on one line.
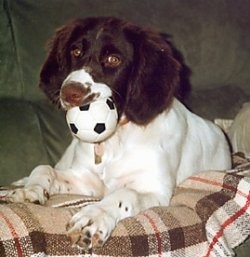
[(209, 215)]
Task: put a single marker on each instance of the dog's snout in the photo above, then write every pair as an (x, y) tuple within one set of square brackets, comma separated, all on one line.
[(73, 93), (79, 89)]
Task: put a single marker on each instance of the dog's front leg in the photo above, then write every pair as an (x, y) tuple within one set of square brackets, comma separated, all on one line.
[(37, 187), (45, 181), (92, 226)]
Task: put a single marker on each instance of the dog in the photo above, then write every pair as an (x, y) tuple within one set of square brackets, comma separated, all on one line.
[(158, 142)]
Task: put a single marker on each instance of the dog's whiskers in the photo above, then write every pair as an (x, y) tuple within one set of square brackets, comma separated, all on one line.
[(117, 93)]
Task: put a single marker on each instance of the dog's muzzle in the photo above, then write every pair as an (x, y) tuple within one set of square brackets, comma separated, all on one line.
[(79, 88)]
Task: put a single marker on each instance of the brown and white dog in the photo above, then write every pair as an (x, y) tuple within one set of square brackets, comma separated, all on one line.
[(160, 145)]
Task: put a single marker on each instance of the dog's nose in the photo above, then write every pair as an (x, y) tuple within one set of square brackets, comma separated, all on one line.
[(73, 93)]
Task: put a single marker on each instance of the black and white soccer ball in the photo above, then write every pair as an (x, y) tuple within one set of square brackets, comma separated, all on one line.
[(93, 122)]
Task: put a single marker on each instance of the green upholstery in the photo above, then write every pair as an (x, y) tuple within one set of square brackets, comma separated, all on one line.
[(29, 136), (213, 37)]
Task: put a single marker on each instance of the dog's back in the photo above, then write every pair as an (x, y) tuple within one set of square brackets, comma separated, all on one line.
[(202, 145)]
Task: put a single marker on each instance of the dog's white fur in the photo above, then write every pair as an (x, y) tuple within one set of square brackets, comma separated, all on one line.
[(141, 165)]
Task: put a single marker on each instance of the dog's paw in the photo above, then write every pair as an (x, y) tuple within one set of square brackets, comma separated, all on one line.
[(32, 194), (90, 227)]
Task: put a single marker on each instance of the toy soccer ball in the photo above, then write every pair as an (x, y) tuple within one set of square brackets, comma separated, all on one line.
[(93, 122)]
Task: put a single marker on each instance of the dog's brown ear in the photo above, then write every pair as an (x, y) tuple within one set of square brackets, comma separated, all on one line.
[(155, 76), (55, 68)]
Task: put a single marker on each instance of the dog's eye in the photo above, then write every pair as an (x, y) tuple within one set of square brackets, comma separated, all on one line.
[(112, 61), (76, 52)]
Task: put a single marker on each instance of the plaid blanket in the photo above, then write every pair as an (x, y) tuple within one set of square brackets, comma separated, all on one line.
[(209, 215)]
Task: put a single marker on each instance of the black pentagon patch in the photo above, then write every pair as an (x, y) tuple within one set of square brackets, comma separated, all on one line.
[(110, 104), (99, 128), (84, 107), (73, 128)]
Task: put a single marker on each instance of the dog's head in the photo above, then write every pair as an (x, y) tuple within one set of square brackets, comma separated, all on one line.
[(95, 57)]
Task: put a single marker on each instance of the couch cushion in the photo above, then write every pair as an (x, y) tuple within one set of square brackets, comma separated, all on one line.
[(222, 102), (208, 216), (239, 132), (28, 137), (21, 141)]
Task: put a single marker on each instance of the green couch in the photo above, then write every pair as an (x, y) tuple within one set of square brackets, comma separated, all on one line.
[(213, 37)]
